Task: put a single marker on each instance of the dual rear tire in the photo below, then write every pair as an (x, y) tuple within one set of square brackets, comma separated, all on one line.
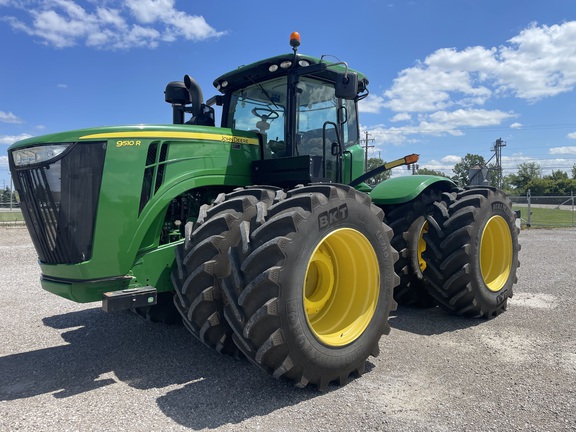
[(408, 221), (202, 260), (301, 283), (472, 252), (311, 289), (458, 249)]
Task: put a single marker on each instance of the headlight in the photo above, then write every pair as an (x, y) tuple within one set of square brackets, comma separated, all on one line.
[(39, 154)]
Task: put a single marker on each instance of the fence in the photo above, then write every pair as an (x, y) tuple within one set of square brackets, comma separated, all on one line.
[(10, 215), (6, 203), (546, 211)]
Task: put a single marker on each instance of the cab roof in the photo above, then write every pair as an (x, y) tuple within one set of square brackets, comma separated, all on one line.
[(263, 70)]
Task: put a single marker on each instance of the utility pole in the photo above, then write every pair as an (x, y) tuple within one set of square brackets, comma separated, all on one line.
[(497, 149), (366, 147)]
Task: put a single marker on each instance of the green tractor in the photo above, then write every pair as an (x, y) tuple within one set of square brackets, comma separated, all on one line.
[(261, 235)]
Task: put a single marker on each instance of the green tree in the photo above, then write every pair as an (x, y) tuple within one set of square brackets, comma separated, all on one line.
[(557, 184), (527, 172), (462, 168), (540, 186), (563, 186), (427, 171), (557, 175), (574, 171), (507, 186), (375, 163)]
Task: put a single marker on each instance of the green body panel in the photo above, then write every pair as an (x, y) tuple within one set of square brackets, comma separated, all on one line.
[(154, 267), (353, 162), (84, 292), (126, 241), (399, 190)]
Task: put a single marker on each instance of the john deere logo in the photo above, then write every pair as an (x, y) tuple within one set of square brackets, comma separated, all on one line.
[(330, 217)]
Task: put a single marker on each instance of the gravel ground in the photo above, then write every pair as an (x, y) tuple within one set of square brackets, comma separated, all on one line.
[(72, 367)]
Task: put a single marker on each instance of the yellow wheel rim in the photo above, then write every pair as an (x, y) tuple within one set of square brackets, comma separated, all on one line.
[(496, 253), (341, 287), (422, 245)]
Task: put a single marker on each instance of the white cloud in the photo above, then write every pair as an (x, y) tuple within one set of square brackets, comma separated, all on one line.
[(149, 11), (572, 135), (8, 117), (372, 104), (11, 139), (445, 167), (432, 85), (538, 62), (401, 117), (470, 117), (516, 126), (384, 135), (3, 161), (562, 150), (451, 159), (550, 165), (117, 24), (433, 128), (438, 124)]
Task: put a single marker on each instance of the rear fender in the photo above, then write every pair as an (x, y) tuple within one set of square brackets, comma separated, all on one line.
[(399, 190)]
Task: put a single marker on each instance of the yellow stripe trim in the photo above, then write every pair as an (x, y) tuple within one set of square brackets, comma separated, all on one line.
[(168, 134)]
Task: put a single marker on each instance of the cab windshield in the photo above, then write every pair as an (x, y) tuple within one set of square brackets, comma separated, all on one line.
[(262, 108)]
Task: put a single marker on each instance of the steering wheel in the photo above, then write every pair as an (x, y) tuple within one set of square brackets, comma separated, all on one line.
[(265, 113)]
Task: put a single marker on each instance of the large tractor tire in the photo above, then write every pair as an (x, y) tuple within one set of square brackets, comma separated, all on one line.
[(472, 252), (409, 224), (311, 286), (203, 259)]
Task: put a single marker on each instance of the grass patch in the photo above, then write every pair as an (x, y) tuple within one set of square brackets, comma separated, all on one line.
[(11, 216), (547, 217)]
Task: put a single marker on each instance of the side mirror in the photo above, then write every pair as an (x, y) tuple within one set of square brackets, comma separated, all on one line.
[(347, 86)]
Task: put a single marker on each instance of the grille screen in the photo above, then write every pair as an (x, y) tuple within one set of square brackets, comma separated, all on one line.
[(59, 200)]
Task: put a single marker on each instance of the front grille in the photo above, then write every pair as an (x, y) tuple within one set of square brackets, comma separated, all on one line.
[(59, 200)]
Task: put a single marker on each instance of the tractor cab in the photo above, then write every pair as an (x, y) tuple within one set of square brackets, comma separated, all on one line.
[(303, 110)]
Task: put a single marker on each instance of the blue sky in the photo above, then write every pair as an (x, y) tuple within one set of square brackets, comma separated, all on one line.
[(446, 77)]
